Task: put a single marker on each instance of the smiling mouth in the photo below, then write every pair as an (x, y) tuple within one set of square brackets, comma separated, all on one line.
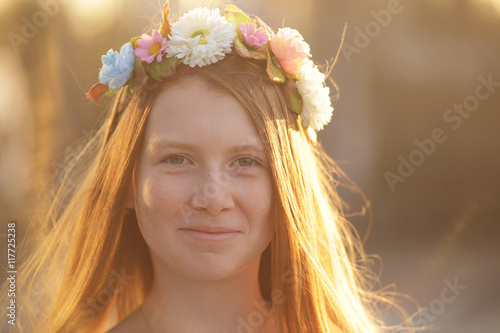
[(210, 234), (208, 228)]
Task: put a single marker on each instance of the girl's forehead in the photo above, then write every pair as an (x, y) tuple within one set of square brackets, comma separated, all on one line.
[(192, 110), (187, 90)]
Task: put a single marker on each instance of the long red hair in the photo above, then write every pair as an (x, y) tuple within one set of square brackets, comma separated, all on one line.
[(314, 262)]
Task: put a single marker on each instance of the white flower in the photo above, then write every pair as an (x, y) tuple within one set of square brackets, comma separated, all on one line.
[(201, 37), (317, 109)]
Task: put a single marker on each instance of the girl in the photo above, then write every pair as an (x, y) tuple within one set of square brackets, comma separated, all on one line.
[(208, 205)]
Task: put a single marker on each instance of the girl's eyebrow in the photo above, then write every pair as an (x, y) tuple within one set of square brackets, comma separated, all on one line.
[(157, 144), (248, 147), (160, 144)]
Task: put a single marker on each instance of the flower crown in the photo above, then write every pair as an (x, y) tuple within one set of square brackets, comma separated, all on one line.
[(202, 37)]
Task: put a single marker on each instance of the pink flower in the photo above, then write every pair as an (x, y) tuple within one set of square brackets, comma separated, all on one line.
[(290, 49), (149, 48), (256, 38)]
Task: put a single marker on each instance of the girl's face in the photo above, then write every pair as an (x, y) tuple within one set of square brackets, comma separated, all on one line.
[(202, 183)]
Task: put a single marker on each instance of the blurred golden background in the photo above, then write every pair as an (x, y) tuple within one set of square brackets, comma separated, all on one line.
[(416, 125)]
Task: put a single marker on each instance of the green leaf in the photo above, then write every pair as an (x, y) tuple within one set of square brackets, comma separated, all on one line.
[(109, 93), (242, 49), (293, 99), (153, 69), (133, 41), (137, 65), (162, 69), (274, 71), (236, 16), (167, 67)]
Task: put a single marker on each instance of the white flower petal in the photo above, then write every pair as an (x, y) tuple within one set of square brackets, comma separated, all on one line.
[(185, 44), (317, 109)]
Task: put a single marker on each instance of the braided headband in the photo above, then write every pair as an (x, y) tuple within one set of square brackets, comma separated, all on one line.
[(202, 37)]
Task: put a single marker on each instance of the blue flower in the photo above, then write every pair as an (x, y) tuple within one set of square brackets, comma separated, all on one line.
[(117, 67)]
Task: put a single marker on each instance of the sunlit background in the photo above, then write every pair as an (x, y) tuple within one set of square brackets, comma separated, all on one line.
[(399, 74)]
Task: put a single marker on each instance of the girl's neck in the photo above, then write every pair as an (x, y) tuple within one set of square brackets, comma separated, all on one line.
[(234, 304)]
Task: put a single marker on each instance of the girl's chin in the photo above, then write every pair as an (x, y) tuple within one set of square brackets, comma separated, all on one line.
[(210, 267)]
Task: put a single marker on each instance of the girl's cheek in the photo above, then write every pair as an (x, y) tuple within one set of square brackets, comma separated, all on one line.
[(148, 192), (260, 190), (161, 194), (157, 210)]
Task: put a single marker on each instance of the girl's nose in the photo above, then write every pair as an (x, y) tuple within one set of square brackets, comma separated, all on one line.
[(213, 193)]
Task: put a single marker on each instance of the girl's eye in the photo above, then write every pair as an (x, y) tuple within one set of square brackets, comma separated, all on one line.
[(245, 162), (177, 159)]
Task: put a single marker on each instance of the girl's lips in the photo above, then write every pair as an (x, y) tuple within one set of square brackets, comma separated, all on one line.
[(211, 236)]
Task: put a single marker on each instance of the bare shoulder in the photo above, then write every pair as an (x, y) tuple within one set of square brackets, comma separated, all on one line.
[(131, 324)]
